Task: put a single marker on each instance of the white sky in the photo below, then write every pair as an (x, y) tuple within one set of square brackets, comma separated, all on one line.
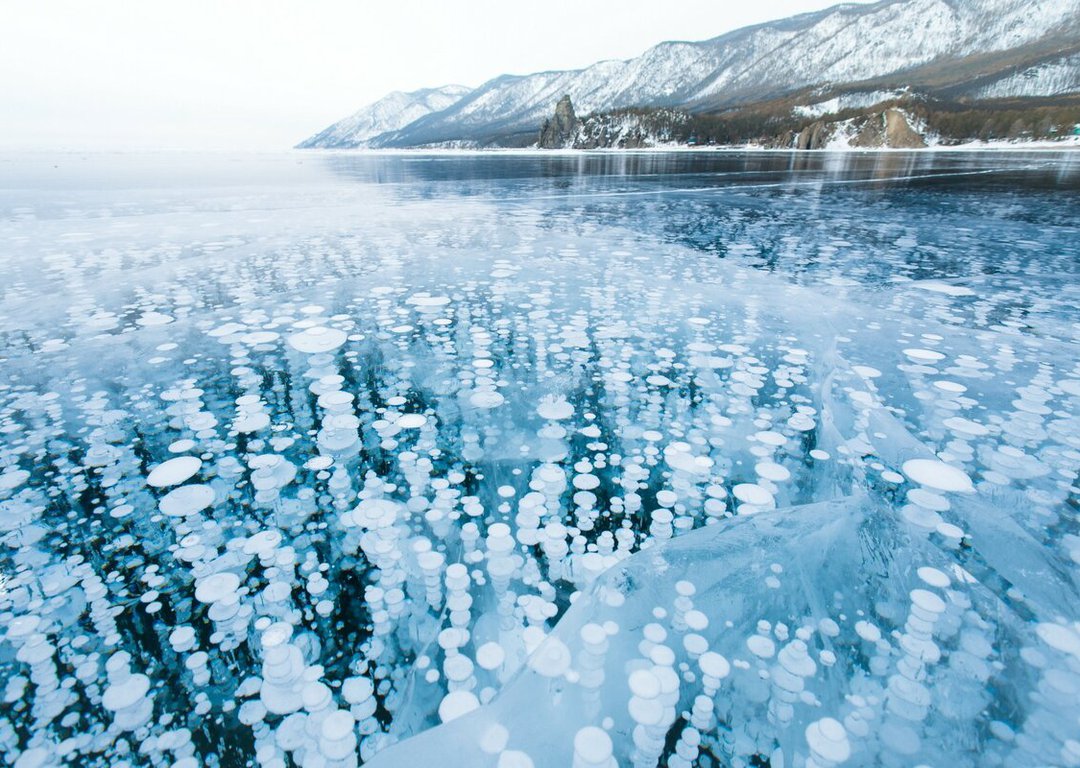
[(264, 74)]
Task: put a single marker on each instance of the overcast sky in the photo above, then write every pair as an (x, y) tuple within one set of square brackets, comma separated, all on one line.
[(264, 74)]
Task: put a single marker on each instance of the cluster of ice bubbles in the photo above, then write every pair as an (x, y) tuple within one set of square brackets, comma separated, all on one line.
[(529, 504)]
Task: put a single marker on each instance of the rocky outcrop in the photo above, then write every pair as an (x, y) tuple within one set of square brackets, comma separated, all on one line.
[(888, 129), (899, 133), (559, 131), (885, 127), (631, 129), (620, 129), (814, 136)]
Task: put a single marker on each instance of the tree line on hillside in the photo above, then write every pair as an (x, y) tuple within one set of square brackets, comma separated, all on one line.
[(777, 126)]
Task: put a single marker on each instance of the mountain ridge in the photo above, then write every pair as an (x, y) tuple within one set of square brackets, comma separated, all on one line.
[(395, 110), (897, 41)]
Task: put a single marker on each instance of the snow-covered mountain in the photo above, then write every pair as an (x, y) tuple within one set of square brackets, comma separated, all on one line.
[(843, 44), (389, 113), (1049, 78)]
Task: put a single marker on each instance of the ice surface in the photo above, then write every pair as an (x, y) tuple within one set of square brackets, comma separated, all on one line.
[(510, 461)]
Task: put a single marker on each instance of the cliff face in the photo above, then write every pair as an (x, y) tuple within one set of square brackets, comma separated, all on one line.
[(891, 128), (627, 129), (893, 120), (620, 129), (633, 129), (899, 131), (559, 131)]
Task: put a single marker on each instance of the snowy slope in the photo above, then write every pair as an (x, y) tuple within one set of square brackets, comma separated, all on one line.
[(856, 100), (842, 44), (389, 113), (1051, 78), (850, 43)]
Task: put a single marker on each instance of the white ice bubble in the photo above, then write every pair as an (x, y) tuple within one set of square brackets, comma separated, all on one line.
[(490, 656), (125, 693), (514, 758), (761, 646), (714, 665), (938, 475), (217, 587), (13, 478), (486, 398), (1070, 386), (1060, 637), (317, 339), (555, 408), (927, 601), (456, 704), (965, 427), (828, 739), (154, 318), (173, 471), (773, 472), (551, 659), (186, 500), (751, 493), (934, 577), (644, 684), (768, 437), (592, 746), (920, 355)]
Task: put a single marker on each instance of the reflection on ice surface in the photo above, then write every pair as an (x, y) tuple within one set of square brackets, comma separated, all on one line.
[(625, 460)]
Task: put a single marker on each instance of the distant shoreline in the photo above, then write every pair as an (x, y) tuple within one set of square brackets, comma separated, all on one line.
[(1061, 146), (1057, 146)]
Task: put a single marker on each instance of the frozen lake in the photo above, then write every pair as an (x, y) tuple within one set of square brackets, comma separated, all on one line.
[(540, 459)]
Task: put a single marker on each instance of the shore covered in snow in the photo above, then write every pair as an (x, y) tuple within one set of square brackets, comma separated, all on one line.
[(1072, 143)]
